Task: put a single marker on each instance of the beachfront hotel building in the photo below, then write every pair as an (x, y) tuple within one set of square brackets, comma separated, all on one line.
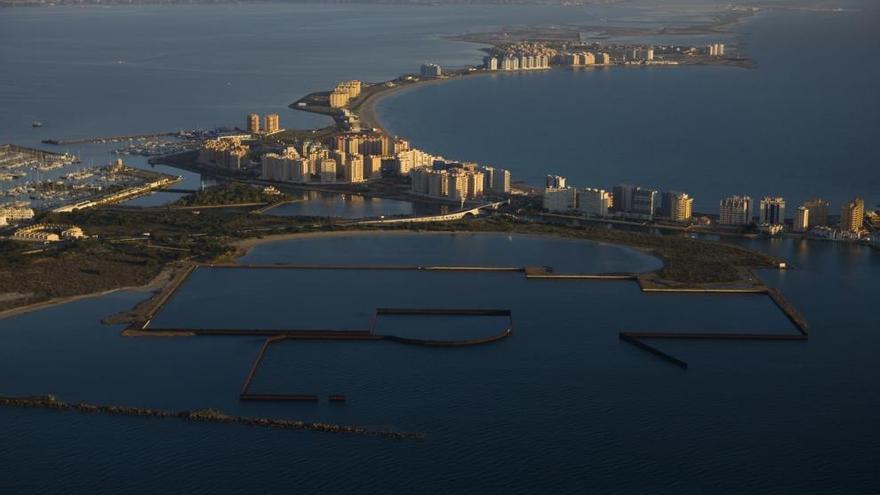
[(327, 170), (496, 180), (801, 221), (676, 206), (253, 123), (715, 50), (367, 143), (634, 201), (453, 182), (431, 70), (407, 160), (735, 210), (344, 92), (852, 216), (772, 211), (225, 152), (338, 99), (287, 166), (554, 182), (560, 198), (595, 202), (314, 162), (522, 56), (273, 123), (818, 209)]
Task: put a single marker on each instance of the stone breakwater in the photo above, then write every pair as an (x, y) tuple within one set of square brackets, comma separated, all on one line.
[(200, 416)]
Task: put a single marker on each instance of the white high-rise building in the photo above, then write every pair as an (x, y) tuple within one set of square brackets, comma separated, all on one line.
[(560, 199), (594, 202), (735, 210), (801, 219), (328, 170), (772, 211), (555, 182)]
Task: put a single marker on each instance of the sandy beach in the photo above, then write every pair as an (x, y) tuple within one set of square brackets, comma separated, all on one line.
[(367, 109)]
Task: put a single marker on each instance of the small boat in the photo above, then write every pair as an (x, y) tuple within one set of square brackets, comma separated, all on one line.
[(36, 123)]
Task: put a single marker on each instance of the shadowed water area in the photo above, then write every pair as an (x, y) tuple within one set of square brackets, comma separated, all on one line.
[(560, 401), (562, 405)]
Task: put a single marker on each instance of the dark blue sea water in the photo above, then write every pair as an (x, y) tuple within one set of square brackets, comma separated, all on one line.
[(562, 405), (803, 123)]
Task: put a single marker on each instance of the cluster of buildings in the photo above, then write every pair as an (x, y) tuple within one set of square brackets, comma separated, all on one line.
[(353, 157), (627, 201), (349, 157), (12, 213), (624, 201), (272, 124), (520, 56), (715, 50), (225, 152), (344, 92), (579, 59), (459, 181), (312, 161), (44, 232), (431, 70), (811, 217)]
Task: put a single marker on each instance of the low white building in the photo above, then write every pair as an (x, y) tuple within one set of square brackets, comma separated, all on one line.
[(16, 213)]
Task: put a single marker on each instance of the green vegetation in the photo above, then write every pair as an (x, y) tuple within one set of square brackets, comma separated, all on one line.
[(120, 254), (131, 247), (229, 193)]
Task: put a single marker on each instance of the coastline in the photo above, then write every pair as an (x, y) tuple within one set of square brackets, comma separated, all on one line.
[(367, 109), (157, 283), (245, 246)]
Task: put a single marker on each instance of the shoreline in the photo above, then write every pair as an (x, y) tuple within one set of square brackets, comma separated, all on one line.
[(157, 283), (245, 246), (367, 109)]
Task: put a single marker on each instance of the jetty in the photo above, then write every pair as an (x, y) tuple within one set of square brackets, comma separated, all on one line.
[(246, 394), (197, 416), (110, 139)]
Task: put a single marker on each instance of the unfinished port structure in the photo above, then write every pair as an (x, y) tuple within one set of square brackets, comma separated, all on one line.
[(140, 318)]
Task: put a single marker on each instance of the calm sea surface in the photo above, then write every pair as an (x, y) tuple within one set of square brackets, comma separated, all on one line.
[(803, 123), (560, 406)]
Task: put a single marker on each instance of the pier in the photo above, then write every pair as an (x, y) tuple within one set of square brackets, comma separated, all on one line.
[(245, 393), (299, 266), (106, 139), (449, 217), (49, 402), (140, 325)]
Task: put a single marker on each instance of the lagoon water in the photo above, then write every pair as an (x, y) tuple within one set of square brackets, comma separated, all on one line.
[(560, 406)]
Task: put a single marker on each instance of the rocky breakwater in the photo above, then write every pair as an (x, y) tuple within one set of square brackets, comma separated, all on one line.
[(200, 415)]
